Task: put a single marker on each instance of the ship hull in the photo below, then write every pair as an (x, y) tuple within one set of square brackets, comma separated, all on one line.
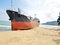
[(20, 21), (23, 25)]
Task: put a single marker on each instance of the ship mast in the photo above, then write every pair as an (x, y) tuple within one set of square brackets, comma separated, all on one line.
[(11, 5), (19, 11), (59, 13)]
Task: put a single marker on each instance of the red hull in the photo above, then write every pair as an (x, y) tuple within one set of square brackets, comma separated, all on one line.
[(23, 25)]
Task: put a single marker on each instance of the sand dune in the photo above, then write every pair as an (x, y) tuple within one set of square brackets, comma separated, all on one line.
[(36, 36)]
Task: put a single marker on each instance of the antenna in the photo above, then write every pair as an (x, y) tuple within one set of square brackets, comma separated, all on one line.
[(59, 13), (35, 15), (11, 4), (19, 10)]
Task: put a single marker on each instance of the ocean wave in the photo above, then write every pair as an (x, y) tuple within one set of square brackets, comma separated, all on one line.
[(4, 26)]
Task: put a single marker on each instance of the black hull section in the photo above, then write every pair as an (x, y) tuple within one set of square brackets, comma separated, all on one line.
[(13, 15)]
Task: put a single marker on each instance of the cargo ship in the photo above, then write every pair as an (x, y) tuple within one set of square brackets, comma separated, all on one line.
[(21, 22)]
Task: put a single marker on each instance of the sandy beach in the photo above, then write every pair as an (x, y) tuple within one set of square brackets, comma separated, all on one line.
[(36, 36)]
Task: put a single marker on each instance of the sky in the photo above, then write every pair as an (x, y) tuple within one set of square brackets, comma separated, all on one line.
[(45, 10)]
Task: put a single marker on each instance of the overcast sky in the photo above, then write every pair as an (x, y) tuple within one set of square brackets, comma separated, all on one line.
[(45, 10)]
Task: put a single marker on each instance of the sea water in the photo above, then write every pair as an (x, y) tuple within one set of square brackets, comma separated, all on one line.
[(5, 26)]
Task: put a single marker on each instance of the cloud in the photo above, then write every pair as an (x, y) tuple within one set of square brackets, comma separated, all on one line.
[(46, 10)]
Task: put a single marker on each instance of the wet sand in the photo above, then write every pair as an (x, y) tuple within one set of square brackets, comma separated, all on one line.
[(36, 36)]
